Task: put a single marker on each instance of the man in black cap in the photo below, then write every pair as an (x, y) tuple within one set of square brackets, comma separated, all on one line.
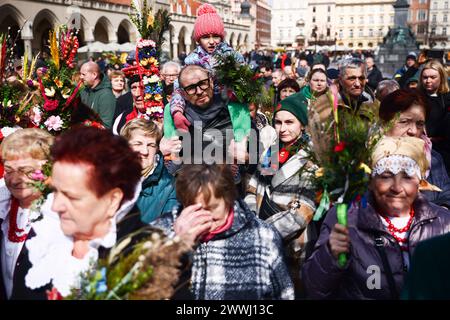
[(408, 70)]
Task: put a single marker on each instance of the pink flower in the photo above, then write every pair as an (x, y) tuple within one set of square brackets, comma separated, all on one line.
[(50, 105), (54, 123), (38, 175)]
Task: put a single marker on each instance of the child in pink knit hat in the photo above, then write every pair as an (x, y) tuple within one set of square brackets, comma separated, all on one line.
[(209, 33)]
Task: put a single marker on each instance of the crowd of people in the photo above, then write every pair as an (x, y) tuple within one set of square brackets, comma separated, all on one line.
[(232, 181)]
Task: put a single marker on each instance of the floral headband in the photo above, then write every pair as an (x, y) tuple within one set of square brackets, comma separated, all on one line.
[(396, 164)]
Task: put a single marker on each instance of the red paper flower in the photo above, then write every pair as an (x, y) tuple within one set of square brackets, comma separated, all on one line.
[(54, 294), (339, 147), (50, 105)]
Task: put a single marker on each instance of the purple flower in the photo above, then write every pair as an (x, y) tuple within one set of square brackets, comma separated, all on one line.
[(30, 83)]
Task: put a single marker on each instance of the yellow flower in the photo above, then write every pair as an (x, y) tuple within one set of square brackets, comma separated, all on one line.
[(144, 62), (152, 60), (150, 20), (365, 167), (147, 96), (58, 83), (319, 172), (158, 97)]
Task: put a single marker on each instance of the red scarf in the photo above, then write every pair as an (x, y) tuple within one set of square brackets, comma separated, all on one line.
[(221, 229)]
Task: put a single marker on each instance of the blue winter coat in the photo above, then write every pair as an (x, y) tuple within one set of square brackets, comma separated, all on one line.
[(158, 194), (439, 177)]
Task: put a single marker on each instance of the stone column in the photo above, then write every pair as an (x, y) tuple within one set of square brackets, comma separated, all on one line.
[(27, 37), (175, 49)]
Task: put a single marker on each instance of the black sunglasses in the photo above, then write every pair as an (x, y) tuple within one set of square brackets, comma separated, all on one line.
[(192, 89)]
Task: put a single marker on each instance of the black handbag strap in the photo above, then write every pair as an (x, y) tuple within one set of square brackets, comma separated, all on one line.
[(379, 245)]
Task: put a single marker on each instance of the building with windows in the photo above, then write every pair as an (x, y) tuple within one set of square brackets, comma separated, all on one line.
[(321, 22), (289, 20), (107, 21), (439, 24), (418, 19), (362, 24)]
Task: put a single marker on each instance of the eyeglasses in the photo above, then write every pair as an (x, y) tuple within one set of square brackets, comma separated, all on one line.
[(175, 75), (192, 89), (27, 171)]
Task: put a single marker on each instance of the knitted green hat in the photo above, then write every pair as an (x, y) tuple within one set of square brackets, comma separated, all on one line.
[(295, 104)]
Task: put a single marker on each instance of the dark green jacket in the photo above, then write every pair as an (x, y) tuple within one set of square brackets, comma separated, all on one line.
[(101, 100)]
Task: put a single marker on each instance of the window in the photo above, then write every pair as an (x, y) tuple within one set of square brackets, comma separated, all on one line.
[(351, 33), (328, 19), (446, 5), (433, 19), (361, 20), (421, 15), (371, 20), (381, 19), (341, 20), (341, 34), (328, 32), (352, 20), (435, 5), (329, 9), (445, 18), (444, 31), (380, 32), (314, 9), (361, 33), (421, 29), (314, 19), (433, 31), (370, 32)]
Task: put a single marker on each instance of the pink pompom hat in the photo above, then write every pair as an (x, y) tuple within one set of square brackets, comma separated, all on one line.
[(208, 22)]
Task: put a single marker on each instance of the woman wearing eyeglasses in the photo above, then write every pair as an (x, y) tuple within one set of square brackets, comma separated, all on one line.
[(169, 74), (405, 113), (23, 154)]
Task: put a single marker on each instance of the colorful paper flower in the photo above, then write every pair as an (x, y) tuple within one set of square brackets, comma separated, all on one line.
[(51, 105), (54, 123)]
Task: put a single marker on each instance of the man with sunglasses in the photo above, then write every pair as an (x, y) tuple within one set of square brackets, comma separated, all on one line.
[(210, 118)]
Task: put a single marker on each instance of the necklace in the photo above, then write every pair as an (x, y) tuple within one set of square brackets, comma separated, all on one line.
[(13, 228), (393, 229)]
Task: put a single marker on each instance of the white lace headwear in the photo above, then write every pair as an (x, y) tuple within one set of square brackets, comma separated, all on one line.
[(395, 164)]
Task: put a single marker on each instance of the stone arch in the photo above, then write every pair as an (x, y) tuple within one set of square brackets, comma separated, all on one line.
[(182, 40), (124, 31), (231, 40), (246, 42), (11, 21), (43, 22), (239, 41), (103, 31)]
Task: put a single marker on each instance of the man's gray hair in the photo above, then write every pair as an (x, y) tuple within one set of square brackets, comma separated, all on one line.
[(352, 63), (169, 64)]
